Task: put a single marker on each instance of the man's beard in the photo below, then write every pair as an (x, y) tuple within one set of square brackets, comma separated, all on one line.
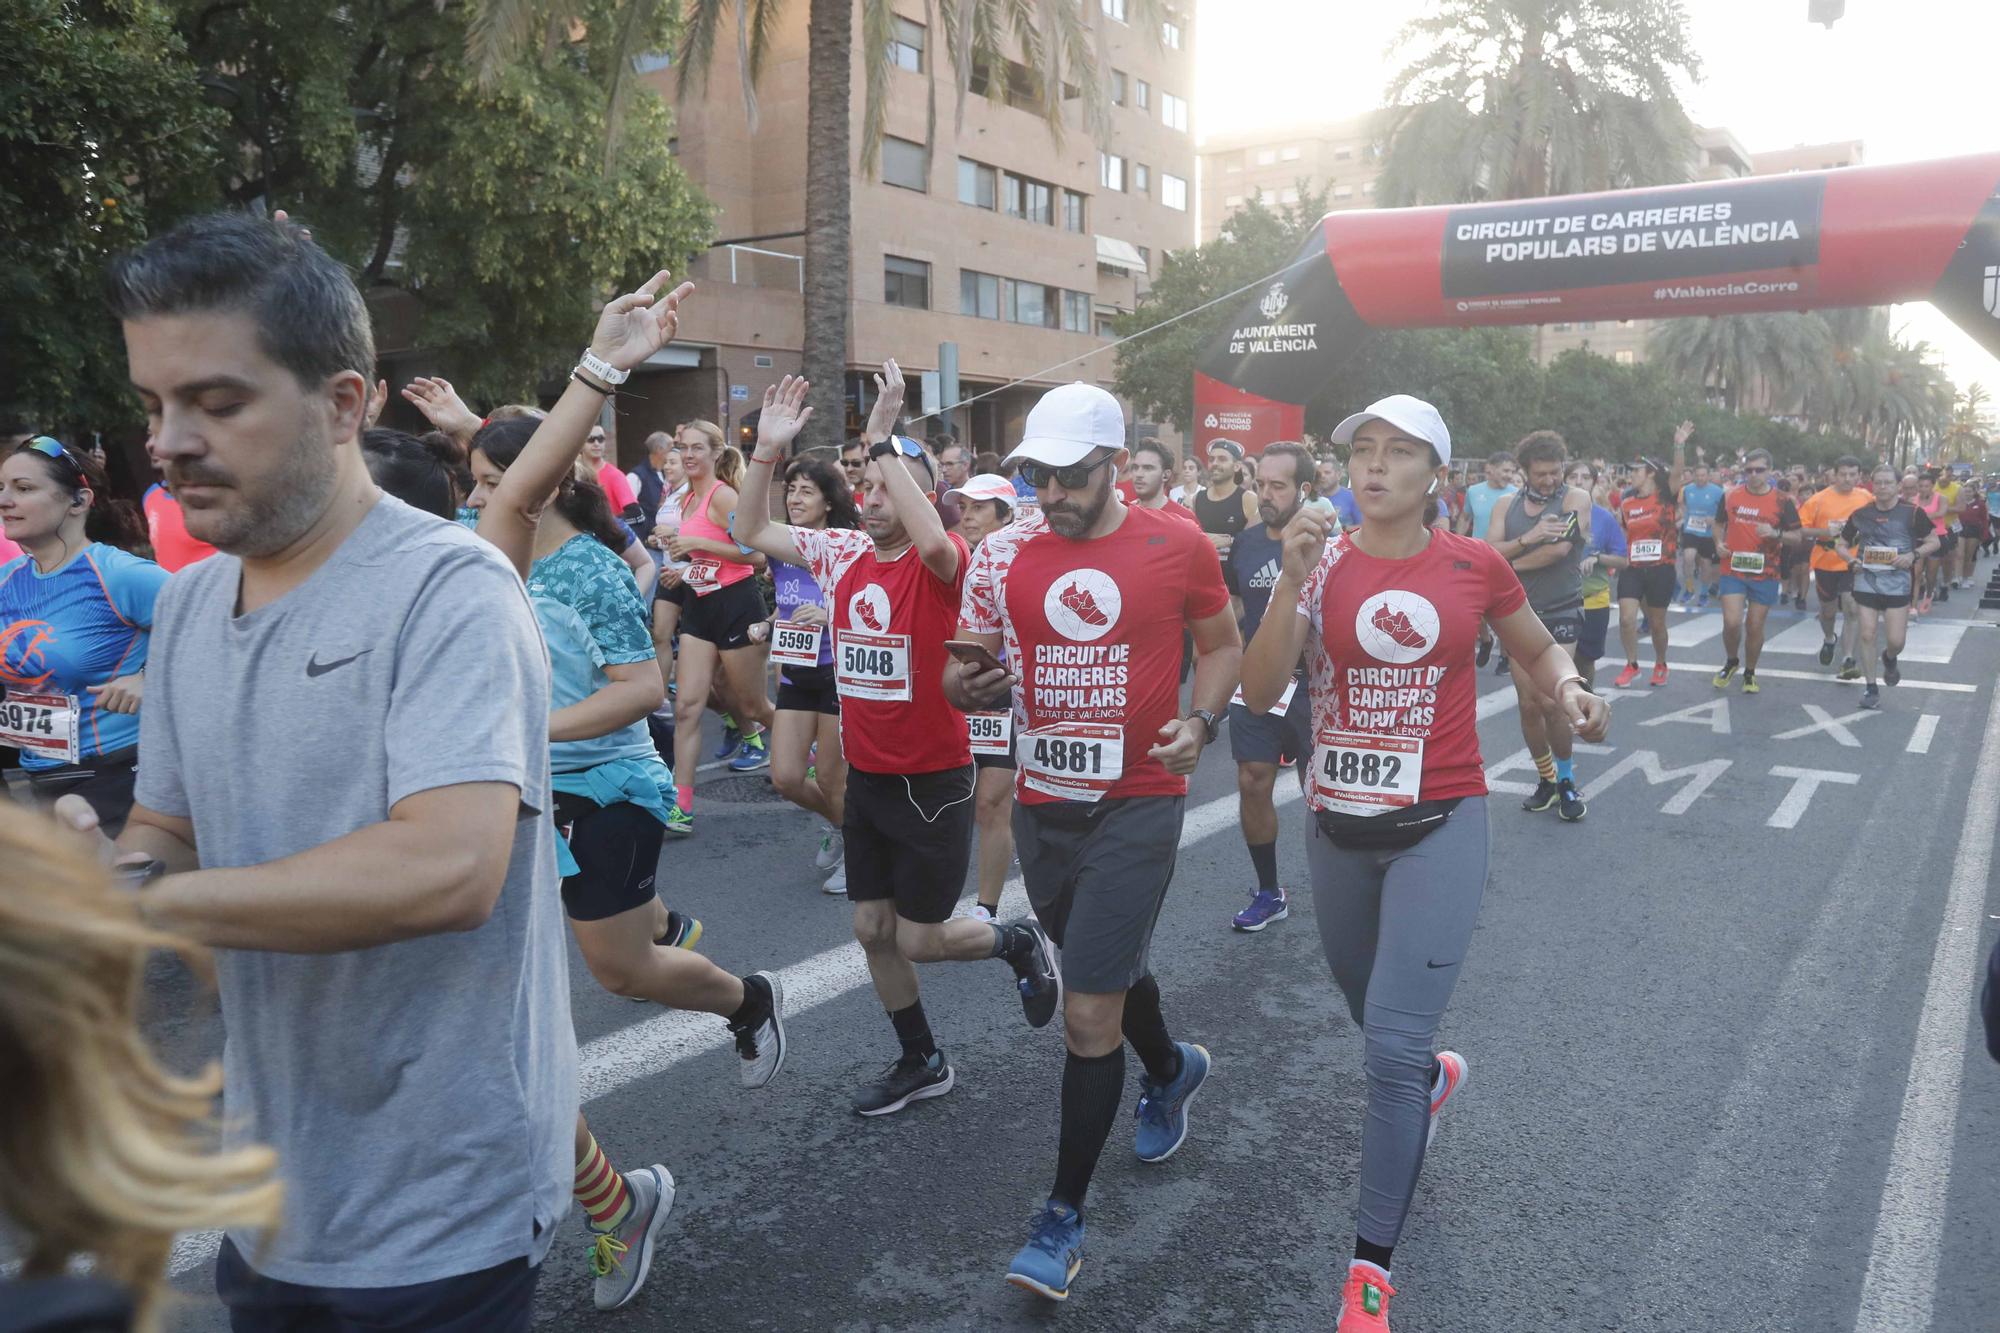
[(262, 525), (1066, 519), (1273, 519)]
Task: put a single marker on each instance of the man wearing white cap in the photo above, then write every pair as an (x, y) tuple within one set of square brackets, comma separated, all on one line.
[(1090, 598)]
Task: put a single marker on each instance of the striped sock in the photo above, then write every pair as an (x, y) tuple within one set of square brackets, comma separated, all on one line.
[(1545, 764), (600, 1190)]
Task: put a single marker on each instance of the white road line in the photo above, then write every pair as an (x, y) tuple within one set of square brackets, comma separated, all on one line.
[(1903, 1264), (1920, 739), (654, 1045), (1776, 673)]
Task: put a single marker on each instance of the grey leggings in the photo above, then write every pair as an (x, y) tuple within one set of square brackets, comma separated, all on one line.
[(1395, 926)]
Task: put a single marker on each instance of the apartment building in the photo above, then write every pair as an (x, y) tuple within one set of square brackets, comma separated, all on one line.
[(991, 235), (1275, 164)]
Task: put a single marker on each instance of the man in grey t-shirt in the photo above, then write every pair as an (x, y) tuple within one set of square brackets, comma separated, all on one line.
[(347, 716)]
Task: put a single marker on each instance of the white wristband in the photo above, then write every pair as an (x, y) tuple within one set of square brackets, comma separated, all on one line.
[(603, 369)]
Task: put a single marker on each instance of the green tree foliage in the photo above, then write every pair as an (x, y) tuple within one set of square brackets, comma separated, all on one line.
[(103, 137), (1515, 99), (1483, 381)]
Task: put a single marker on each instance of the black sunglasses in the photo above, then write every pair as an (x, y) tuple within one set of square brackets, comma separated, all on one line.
[(1072, 478)]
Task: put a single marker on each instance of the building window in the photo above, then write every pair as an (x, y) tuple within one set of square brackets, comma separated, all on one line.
[(905, 164), (1143, 95), (1173, 191), (1076, 312), (1118, 87), (1342, 154), (1075, 214), (1142, 178), (906, 282), (1111, 171), (1115, 9), (1146, 257), (1290, 153), (1624, 356), (1343, 192), (907, 50), (977, 184), (1104, 329), (1588, 325), (1368, 187), (1173, 110), (1290, 196), (1170, 33), (1560, 327), (1029, 200), (978, 294), (1234, 162), (1267, 157), (1028, 303)]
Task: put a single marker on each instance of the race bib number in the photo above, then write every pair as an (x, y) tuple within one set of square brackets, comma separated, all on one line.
[(1746, 562), (1699, 526), (1649, 552), (796, 645), (42, 724), (1879, 557), (1074, 761), (703, 575), (872, 666), (1356, 774), (1282, 707), (990, 733)]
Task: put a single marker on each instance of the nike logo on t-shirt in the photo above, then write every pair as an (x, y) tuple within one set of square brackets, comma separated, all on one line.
[(316, 668)]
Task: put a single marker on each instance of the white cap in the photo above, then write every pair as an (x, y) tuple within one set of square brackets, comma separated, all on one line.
[(987, 486), (1068, 423), (1412, 416)]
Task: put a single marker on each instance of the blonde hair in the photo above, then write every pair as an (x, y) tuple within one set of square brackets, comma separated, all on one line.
[(103, 1152), (509, 411), (729, 466)]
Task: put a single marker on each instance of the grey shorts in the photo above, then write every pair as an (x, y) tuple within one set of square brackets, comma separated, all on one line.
[(1267, 738), (1097, 876)]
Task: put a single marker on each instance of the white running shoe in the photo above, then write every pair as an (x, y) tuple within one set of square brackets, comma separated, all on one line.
[(1456, 1073), (832, 849), (620, 1259), (837, 883)]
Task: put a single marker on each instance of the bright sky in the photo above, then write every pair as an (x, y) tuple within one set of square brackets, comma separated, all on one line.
[(1912, 79)]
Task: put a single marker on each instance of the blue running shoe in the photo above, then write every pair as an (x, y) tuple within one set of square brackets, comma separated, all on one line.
[(1048, 1262), (751, 755), (731, 738), (1269, 905), (1163, 1112)]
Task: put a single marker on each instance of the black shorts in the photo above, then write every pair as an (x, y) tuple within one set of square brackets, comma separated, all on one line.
[(1590, 644), (500, 1299), (808, 690), (678, 594), (1650, 585), (1097, 875), (1563, 626), (1833, 584), (725, 616), (105, 781), (1271, 738), (982, 762), (1876, 601), (617, 851), (1703, 546), (909, 839), (1947, 543), (1788, 561)]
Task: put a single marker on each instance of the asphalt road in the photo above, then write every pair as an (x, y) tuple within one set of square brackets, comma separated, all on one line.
[(1690, 1021)]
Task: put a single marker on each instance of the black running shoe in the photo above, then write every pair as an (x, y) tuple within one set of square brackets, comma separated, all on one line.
[(904, 1082), (1485, 652), (1573, 807), (1826, 653), (1544, 797), (1500, 666), (1944, 594), (1891, 673), (1039, 978)]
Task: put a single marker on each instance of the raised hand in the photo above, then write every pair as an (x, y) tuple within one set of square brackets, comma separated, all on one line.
[(784, 416), (1305, 543), (888, 403), (1681, 435), (632, 327), (442, 406)]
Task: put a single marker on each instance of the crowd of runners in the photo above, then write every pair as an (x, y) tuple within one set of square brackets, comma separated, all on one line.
[(505, 646)]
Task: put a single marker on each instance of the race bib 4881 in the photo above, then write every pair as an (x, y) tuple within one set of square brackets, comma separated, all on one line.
[(1076, 761)]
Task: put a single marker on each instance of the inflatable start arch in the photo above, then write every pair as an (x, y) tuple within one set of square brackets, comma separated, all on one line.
[(1851, 237)]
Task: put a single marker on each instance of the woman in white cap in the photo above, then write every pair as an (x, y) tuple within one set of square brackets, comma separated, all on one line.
[(1388, 617), (987, 504)]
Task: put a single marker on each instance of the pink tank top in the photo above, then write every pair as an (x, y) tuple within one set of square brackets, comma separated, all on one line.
[(708, 572)]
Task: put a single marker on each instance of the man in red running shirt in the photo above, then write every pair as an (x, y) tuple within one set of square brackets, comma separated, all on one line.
[(892, 597), (1091, 597)]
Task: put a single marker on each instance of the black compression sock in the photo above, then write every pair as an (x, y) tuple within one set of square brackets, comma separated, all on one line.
[(914, 1031), (756, 1006), (1146, 1028), (1015, 943), (1264, 856), (1092, 1088), (1370, 1253)]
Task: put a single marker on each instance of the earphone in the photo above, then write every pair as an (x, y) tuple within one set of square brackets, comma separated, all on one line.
[(1434, 487)]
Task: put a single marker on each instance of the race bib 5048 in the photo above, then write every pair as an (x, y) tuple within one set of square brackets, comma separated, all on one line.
[(872, 666)]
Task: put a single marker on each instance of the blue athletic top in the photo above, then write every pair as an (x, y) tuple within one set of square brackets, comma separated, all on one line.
[(796, 587), (82, 625), (1257, 559), (1700, 502), (591, 617), (1343, 504)]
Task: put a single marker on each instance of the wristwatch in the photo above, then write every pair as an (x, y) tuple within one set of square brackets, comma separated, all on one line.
[(603, 369), (1209, 724)]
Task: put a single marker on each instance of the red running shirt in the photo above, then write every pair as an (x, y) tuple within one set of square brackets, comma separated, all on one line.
[(1391, 650), (1094, 627), (890, 620), (1648, 519), (1744, 512), (166, 528)]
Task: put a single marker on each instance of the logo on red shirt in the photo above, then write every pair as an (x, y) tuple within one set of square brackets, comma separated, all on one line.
[(1083, 605), (869, 608), (1396, 626)]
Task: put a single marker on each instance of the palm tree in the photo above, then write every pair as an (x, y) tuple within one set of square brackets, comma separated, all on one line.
[(1515, 99), (1971, 429), (1776, 358), (1058, 42)]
